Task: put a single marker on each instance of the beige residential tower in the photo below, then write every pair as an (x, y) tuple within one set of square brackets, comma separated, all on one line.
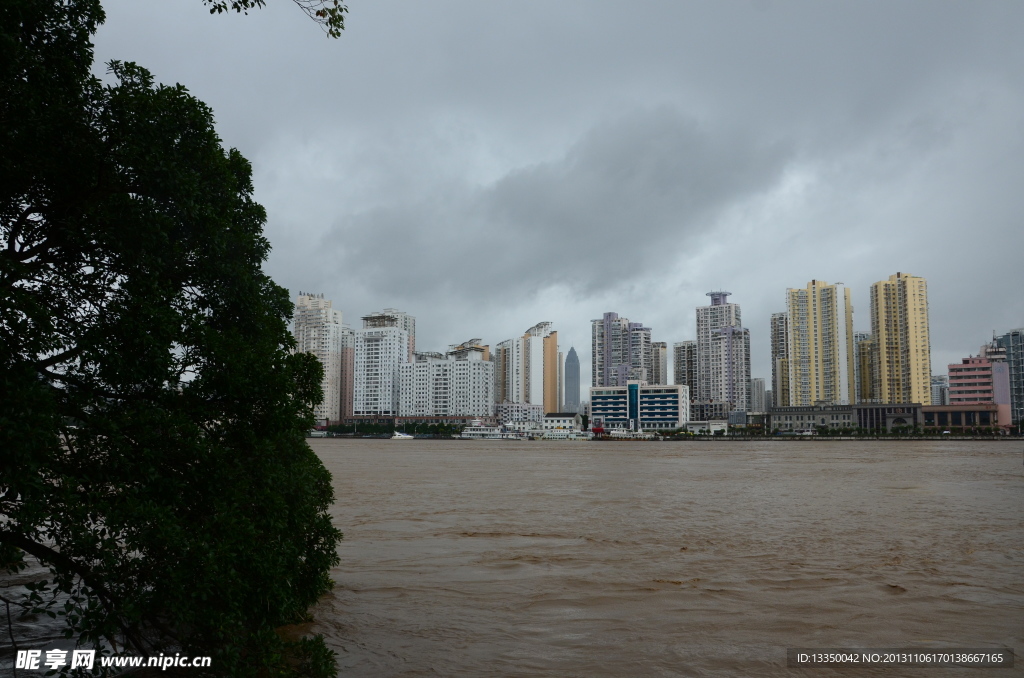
[(901, 364)]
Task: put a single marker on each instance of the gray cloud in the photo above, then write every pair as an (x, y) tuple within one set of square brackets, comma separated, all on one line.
[(590, 220), (487, 166)]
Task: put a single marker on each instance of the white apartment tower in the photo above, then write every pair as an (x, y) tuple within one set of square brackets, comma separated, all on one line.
[(527, 368), (780, 359), (318, 330), (392, 317), (730, 368), (710, 320), (659, 363), (621, 351), (758, 395), (460, 383), (381, 347), (684, 364)]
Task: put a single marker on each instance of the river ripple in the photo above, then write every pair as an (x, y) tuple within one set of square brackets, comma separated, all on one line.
[(665, 559)]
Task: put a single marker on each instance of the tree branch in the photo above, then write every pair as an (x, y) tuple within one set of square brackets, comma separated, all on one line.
[(45, 554)]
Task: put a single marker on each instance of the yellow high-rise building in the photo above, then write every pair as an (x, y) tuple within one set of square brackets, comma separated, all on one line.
[(902, 365), (819, 345)]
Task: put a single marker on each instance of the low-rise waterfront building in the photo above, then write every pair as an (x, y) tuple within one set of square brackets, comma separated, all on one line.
[(978, 381), (707, 428), (873, 417), (509, 412), (637, 405), (563, 420), (885, 417), (523, 426), (977, 415), (810, 417)]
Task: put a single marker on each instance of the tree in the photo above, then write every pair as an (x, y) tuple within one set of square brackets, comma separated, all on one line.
[(330, 14), (152, 417)]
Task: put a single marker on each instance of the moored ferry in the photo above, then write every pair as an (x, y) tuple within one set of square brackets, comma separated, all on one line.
[(567, 434), (477, 431), (628, 434)]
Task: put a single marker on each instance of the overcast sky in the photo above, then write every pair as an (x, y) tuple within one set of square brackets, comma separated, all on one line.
[(486, 166)]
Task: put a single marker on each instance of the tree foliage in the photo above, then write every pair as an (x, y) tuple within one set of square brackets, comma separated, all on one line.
[(329, 14), (152, 417)]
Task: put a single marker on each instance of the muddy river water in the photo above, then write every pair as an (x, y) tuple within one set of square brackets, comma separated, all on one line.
[(467, 558)]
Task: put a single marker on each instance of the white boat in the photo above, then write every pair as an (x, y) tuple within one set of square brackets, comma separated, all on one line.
[(627, 434), (477, 431), (398, 435), (567, 434)]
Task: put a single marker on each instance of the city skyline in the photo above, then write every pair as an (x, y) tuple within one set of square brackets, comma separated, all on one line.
[(747, 146), (818, 361), (761, 341)]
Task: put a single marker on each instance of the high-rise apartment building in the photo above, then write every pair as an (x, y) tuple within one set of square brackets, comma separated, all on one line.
[(509, 375), (659, 363), (820, 345), (902, 347), (863, 367), (940, 389), (758, 395), (381, 348), (572, 381), (348, 370), (730, 368), (391, 317), (621, 351), (641, 361), (527, 368), (684, 364), (723, 355), (1012, 344), (780, 363), (318, 330), (460, 383), (561, 382)]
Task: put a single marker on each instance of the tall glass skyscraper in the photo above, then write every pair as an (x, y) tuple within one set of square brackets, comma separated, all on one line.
[(572, 381)]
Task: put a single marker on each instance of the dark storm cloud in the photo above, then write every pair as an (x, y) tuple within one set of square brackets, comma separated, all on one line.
[(551, 161), (589, 220)]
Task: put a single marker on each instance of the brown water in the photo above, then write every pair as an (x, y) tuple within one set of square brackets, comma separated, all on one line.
[(665, 559)]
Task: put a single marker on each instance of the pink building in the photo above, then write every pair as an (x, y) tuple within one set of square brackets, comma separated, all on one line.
[(977, 381)]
